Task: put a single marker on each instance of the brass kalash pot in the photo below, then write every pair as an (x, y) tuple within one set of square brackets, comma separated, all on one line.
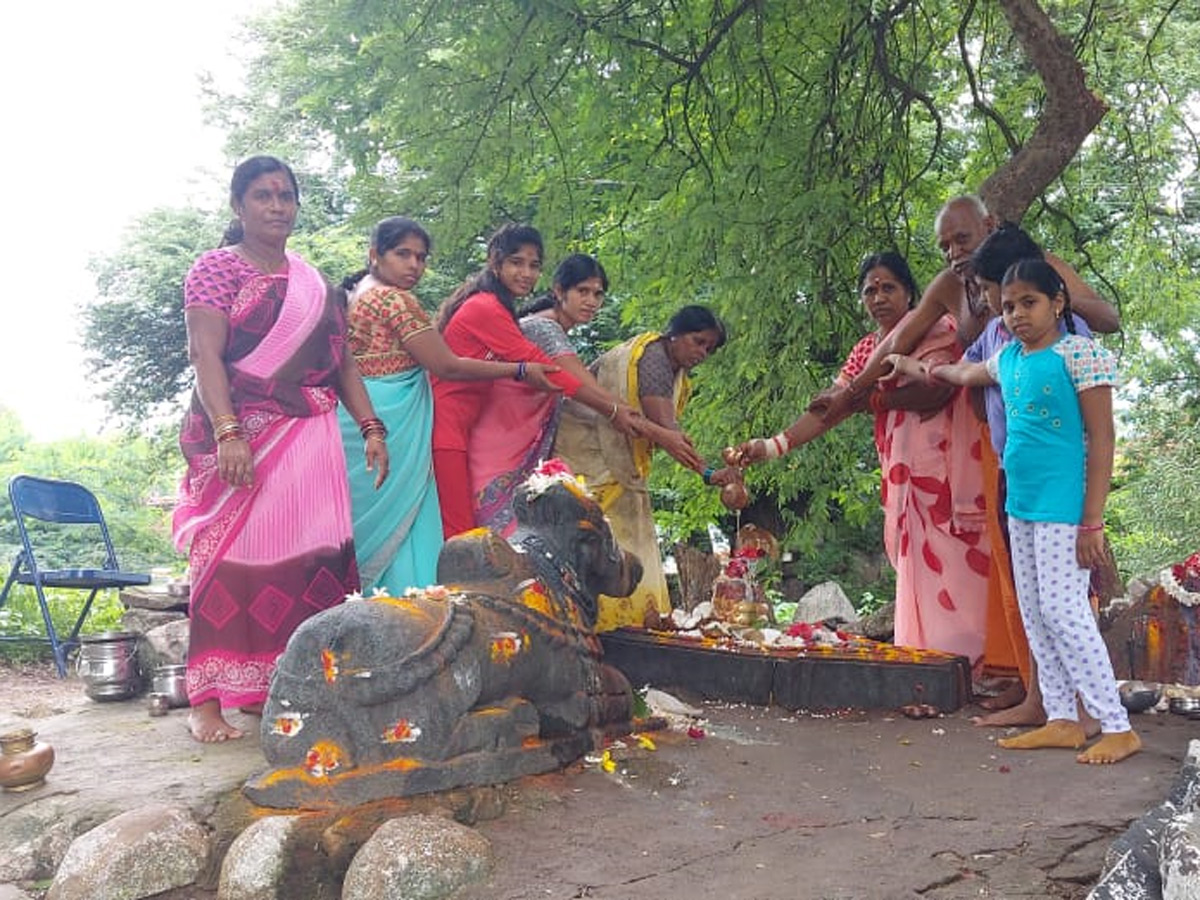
[(24, 760)]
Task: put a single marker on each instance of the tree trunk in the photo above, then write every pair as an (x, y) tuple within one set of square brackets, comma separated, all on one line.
[(1070, 113)]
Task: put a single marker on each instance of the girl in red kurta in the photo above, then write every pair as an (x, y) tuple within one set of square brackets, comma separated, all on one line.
[(479, 321)]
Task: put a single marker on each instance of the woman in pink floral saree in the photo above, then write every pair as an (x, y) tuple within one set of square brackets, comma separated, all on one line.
[(928, 440), (264, 506)]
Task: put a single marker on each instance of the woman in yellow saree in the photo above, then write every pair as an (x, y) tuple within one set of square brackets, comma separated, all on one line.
[(650, 373)]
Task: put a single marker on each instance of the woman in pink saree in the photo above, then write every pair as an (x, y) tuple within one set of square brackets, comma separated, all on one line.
[(515, 431), (264, 507), (928, 438)]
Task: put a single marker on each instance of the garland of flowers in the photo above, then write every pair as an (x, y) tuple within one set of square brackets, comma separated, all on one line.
[(1182, 580), (551, 472)]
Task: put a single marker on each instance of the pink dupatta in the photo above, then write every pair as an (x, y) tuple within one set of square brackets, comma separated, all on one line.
[(265, 557), (208, 508)]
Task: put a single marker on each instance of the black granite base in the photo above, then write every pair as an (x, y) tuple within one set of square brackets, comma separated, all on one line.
[(827, 679)]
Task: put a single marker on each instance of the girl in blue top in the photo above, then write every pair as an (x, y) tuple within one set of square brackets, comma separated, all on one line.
[(1057, 392)]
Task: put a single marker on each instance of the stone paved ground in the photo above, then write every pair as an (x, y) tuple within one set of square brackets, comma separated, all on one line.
[(767, 805)]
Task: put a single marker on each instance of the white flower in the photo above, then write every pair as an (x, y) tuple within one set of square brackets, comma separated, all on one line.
[(1178, 591)]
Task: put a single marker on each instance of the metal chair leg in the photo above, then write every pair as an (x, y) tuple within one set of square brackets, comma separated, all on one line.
[(60, 656), (12, 577)]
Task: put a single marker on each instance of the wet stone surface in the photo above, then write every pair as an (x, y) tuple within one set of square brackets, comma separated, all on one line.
[(768, 804)]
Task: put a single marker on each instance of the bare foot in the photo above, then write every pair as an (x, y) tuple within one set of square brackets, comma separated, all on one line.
[(1111, 748), (1009, 697), (208, 726), (1056, 733), (1028, 712), (252, 709)]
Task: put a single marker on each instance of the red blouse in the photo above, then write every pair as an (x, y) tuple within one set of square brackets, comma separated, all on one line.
[(482, 328)]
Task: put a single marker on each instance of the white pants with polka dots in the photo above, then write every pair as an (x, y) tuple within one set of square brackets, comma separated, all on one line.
[(1071, 656)]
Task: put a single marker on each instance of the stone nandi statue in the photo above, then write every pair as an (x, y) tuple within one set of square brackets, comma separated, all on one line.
[(494, 674)]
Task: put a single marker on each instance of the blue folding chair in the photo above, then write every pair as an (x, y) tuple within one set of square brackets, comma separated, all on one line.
[(73, 511)]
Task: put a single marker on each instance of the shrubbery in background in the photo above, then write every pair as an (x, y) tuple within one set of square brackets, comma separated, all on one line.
[(133, 477)]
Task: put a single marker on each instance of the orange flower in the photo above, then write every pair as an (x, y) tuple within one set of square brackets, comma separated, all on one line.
[(287, 724), (401, 732), (507, 644), (322, 759), (534, 596), (329, 665)]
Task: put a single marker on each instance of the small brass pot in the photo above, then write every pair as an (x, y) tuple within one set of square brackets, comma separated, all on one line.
[(24, 760)]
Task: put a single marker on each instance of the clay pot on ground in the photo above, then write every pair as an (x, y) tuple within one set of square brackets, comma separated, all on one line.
[(24, 760)]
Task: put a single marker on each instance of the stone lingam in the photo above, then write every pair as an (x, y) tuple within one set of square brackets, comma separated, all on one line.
[(495, 674)]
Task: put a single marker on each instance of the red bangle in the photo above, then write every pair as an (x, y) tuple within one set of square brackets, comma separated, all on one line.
[(775, 447), (1092, 528), (876, 403), (372, 425)]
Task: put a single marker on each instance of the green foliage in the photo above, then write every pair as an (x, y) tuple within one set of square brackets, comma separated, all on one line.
[(22, 617), (742, 155), (1154, 513), (134, 337), (744, 158), (134, 478)]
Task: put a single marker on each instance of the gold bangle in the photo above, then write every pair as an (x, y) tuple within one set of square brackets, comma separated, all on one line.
[(374, 431)]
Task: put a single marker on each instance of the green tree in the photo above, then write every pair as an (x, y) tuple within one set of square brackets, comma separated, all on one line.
[(747, 155), (134, 337), (133, 477), (13, 436)]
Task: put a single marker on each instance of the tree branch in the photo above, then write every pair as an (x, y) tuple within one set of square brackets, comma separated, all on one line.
[(1070, 113), (977, 98)]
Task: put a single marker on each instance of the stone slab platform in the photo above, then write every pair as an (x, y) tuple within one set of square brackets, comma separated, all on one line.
[(866, 676)]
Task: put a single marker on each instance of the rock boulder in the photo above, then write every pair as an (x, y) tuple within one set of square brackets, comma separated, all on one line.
[(137, 854), (417, 858)]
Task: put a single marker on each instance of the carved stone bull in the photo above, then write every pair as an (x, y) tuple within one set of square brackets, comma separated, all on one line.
[(496, 675)]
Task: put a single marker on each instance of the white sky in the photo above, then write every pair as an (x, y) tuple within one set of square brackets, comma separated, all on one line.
[(103, 122)]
